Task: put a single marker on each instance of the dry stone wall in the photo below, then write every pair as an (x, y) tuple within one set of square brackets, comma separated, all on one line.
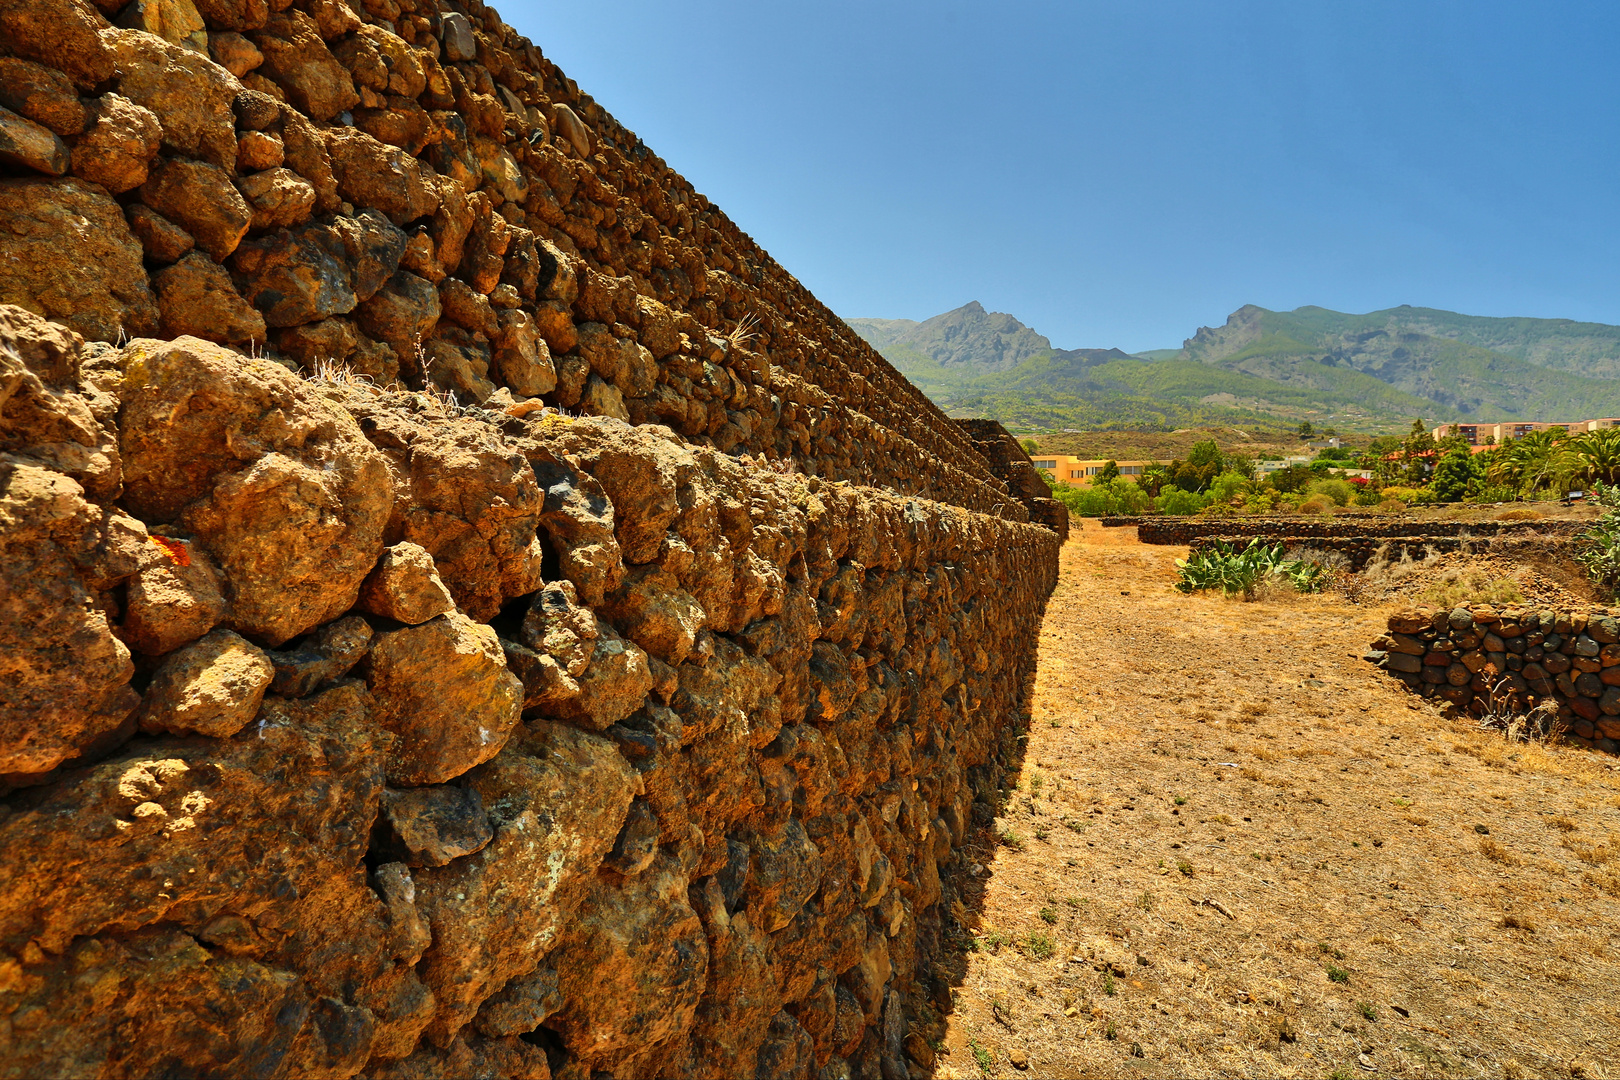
[(1183, 530), (1477, 657), (415, 192), (464, 609)]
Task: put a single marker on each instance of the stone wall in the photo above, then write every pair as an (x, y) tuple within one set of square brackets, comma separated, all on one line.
[(1011, 465), (466, 611), (1185, 530), (1571, 658), (418, 194), (1360, 550)]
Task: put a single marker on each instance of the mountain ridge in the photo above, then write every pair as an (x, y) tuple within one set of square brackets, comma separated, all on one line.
[(1373, 372)]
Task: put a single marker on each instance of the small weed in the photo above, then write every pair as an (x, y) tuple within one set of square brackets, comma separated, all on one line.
[(1109, 987), (1012, 840), (1185, 867), (1327, 950), (982, 1056), (1074, 901), (1180, 801), (1339, 1074), (1042, 832), (1338, 975), (1366, 1010), (1040, 946), (1048, 916), (1145, 901), (1035, 782), (1074, 824), (994, 940), (1111, 1032)]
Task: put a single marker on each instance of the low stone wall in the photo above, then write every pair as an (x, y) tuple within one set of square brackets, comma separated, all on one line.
[(1360, 550), (1463, 655), (1185, 530)]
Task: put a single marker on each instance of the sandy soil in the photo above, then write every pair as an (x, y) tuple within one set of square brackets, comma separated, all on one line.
[(1236, 849)]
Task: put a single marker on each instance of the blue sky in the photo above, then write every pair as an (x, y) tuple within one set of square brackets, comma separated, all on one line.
[(1119, 173)]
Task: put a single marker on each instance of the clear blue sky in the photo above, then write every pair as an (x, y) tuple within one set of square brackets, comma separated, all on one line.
[(1119, 173)]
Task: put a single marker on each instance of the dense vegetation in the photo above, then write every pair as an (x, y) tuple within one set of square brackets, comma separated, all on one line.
[(1416, 469)]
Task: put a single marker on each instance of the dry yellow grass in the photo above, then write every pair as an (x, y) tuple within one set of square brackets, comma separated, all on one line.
[(1251, 854)]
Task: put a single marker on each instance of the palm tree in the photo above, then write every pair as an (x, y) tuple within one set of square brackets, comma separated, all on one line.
[(1537, 460), (1599, 453)]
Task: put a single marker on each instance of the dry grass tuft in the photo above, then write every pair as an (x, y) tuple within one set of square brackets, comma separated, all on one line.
[(1520, 513), (1497, 853), (746, 329), (1593, 854), (1469, 585)]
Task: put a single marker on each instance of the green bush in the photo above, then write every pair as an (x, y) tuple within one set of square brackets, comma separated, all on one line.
[(1118, 496), (1175, 501), (1598, 547), (1226, 485), (1240, 571), (1494, 493), (1340, 491)]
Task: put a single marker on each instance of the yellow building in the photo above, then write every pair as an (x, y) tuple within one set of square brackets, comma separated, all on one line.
[(1079, 472)]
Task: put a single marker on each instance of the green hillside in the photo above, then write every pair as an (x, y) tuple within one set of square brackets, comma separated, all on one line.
[(1371, 372), (1462, 379)]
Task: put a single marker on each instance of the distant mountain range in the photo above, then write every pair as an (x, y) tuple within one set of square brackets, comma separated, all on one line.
[(1373, 372)]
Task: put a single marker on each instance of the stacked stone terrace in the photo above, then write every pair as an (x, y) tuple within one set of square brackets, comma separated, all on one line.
[(464, 609), (422, 196)]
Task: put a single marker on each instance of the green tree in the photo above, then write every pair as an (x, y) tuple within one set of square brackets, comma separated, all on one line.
[(1458, 474), (1154, 478), (1031, 446), (1110, 471), (1305, 429), (1540, 459), (1599, 454), (1418, 451), (1291, 478)]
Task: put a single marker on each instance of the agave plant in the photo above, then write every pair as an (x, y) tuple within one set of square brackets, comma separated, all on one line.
[(1240, 571)]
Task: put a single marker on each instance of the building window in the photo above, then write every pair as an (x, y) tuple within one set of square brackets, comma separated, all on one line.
[(1046, 464), (1074, 473)]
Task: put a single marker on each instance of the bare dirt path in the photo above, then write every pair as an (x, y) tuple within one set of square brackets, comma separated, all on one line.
[(1236, 849)]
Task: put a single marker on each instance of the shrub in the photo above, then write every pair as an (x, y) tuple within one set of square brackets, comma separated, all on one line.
[(1337, 490), (1227, 485), (1316, 505), (1400, 494), (1176, 501), (1495, 493), (1391, 506), (1368, 497), (1598, 547), (1519, 513)]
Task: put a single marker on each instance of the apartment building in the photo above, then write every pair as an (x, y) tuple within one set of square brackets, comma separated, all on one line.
[(1495, 434), (1081, 471)]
